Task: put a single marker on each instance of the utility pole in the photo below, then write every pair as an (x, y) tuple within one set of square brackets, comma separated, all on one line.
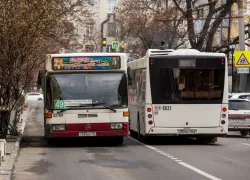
[(243, 77)]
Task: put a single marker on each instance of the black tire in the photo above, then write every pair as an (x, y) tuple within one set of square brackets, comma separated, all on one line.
[(139, 136), (205, 140), (244, 133)]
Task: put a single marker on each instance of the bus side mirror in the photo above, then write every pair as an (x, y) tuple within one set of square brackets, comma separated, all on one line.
[(40, 78), (129, 76)]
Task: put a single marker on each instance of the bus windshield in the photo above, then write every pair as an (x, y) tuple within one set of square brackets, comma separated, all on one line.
[(188, 84), (109, 89)]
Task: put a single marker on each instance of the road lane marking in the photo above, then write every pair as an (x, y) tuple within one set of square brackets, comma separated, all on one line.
[(209, 176), (233, 160), (198, 171), (246, 144)]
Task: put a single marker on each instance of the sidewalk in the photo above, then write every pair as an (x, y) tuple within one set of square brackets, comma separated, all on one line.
[(12, 147)]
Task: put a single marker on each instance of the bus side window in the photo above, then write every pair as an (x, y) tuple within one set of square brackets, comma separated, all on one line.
[(143, 84), (129, 72), (40, 78), (48, 93)]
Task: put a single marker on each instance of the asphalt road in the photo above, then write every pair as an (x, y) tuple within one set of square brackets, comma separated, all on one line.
[(163, 159)]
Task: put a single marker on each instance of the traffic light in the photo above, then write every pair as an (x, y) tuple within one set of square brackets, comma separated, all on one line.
[(104, 42), (109, 48)]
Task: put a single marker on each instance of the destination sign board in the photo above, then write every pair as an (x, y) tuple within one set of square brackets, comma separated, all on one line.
[(86, 63)]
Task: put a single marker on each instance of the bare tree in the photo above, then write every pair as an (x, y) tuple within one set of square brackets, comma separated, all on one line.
[(28, 29), (214, 12), (144, 23)]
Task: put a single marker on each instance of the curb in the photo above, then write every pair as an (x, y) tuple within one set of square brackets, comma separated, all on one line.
[(13, 156)]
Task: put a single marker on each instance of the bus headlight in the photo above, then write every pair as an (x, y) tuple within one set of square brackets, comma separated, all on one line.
[(116, 126), (58, 127)]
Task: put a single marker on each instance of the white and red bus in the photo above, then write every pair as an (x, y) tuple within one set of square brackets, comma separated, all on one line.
[(85, 95), (179, 92)]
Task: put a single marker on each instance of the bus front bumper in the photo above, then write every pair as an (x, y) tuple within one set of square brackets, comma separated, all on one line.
[(65, 134), (211, 131), (80, 132)]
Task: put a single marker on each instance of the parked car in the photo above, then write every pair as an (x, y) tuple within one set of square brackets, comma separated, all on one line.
[(34, 96), (239, 115), (239, 95)]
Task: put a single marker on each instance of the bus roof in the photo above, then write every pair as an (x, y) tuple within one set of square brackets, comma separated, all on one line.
[(194, 52), (158, 52), (86, 54), (86, 61)]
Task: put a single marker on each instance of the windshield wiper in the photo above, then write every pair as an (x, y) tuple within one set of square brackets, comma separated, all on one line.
[(99, 104), (87, 105), (71, 107)]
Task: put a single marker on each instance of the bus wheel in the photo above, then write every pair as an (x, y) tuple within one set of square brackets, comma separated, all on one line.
[(139, 136), (244, 133), (211, 139), (205, 140)]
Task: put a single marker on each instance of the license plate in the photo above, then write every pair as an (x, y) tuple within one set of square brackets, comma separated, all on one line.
[(186, 131), (236, 121), (87, 134)]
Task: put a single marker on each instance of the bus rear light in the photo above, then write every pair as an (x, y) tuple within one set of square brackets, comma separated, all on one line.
[(48, 115), (224, 109), (150, 122), (150, 116), (125, 114), (149, 109), (224, 115), (223, 122)]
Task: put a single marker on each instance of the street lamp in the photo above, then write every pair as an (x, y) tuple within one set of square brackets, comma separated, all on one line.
[(232, 47)]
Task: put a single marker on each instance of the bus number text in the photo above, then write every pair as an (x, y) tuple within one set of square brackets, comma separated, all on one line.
[(166, 108)]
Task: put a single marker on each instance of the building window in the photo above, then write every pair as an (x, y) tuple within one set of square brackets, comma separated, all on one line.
[(89, 30), (89, 48), (200, 13), (111, 6), (111, 29), (248, 7)]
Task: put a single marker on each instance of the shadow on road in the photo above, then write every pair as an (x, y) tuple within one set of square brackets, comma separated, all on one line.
[(177, 141), (237, 136), (38, 141)]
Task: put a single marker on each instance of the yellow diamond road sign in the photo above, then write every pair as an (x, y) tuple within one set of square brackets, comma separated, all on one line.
[(242, 59)]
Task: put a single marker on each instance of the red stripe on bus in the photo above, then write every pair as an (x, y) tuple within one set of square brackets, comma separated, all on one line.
[(238, 116), (95, 127), (98, 133), (88, 127)]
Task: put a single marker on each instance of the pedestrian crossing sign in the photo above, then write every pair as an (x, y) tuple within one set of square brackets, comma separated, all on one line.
[(115, 45), (242, 59)]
